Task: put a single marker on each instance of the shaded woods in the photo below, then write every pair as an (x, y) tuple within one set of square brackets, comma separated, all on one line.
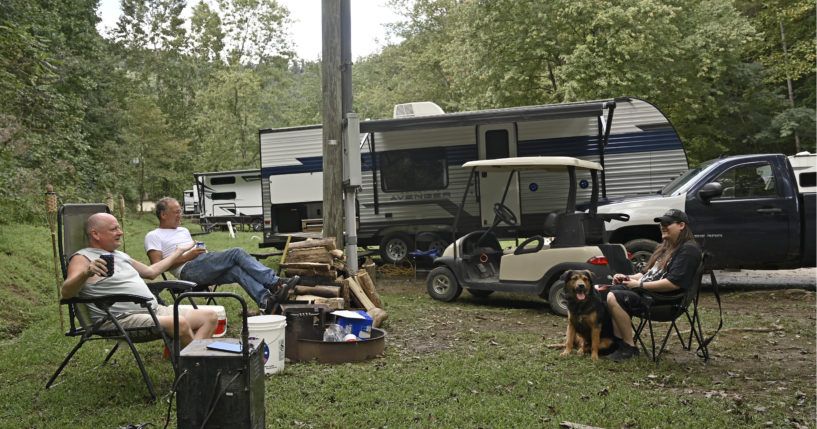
[(138, 110)]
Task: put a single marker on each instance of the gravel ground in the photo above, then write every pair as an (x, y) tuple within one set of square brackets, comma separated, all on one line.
[(801, 278)]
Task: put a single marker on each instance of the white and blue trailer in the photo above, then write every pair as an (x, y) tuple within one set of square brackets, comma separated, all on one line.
[(413, 176)]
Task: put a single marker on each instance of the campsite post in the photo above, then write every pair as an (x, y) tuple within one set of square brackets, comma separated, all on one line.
[(122, 220), (51, 213)]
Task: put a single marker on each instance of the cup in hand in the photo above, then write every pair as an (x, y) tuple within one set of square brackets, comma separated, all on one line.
[(108, 263)]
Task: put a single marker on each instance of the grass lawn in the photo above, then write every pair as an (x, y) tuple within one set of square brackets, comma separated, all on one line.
[(475, 362)]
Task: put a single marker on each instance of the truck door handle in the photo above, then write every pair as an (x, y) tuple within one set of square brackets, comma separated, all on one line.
[(770, 210)]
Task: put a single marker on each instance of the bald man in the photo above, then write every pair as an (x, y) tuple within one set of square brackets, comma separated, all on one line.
[(87, 278)]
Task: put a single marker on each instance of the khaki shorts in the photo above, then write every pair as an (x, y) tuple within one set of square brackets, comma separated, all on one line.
[(140, 320)]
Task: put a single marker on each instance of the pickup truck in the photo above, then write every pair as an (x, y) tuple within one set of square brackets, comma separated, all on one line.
[(747, 211)]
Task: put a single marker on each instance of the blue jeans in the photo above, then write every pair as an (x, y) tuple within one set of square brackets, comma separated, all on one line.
[(231, 266)]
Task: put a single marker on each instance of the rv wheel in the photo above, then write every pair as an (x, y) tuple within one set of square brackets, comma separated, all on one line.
[(395, 247), (257, 225), (442, 285), (556, 298), (438, 243)]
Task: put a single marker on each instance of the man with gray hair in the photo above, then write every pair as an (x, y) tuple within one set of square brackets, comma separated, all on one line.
[(226, 266)]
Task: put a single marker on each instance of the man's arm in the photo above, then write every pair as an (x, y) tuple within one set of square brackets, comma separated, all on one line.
[(161, 265), (156, 256), (80, 271)]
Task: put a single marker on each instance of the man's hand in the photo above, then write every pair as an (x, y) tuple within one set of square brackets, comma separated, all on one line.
[(185, 247), (193, 254), (97, 267)]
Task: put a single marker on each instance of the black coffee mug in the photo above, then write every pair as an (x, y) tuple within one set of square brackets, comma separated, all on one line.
[(108, 263)]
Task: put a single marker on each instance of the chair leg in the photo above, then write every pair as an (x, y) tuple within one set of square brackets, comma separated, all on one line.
[(113, 350), (64, 363), (137, 357)]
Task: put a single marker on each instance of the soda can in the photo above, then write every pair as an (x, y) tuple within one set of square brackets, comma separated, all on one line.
[(200, 244), (109, 264)]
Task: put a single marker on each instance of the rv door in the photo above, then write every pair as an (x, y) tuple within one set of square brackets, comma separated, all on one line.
[(496, 141)]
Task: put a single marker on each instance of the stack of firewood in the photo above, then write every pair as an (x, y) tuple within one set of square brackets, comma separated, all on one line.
[(325, 278)]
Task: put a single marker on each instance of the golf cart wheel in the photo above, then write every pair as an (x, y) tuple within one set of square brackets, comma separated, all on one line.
[(641, 251), (480, 293), (556, 298), (442, 285), (395, 247)]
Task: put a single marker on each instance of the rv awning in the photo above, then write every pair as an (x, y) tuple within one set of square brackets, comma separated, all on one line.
[(550, 163), (513, 114)]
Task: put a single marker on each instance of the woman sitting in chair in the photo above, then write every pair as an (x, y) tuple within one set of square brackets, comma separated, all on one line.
[(671, 268)]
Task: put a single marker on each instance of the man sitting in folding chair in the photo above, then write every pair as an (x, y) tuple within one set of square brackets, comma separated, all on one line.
[(203, 268), (87, 277), (673, 267)]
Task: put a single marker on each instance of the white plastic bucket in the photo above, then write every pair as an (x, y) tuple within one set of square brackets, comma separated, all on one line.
[(271, 330), (221, 328)]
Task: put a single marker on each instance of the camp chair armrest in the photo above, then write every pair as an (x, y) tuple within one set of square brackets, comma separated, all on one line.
[(110, 299), (175, 285)]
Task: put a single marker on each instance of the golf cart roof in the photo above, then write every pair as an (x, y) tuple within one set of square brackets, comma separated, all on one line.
[(550, 163)]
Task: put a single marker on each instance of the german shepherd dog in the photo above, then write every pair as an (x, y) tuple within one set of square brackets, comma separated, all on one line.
[(588, 318)]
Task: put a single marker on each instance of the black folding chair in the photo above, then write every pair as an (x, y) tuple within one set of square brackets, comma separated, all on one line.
[(668, 308), (71, 232)]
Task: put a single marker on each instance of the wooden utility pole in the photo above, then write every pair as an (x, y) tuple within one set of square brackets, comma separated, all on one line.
[(332, 120), (336, 67)]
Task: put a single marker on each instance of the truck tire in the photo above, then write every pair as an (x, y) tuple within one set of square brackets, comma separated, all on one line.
[(641, 250), (442, 285), (556, 299), (395, 247)]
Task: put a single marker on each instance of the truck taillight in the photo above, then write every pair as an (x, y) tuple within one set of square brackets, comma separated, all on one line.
[(598, 260)]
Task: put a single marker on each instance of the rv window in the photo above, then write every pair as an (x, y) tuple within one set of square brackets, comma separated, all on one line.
[(222, 180), (414, 169), (808, 180), (223, 196), (496, 144)]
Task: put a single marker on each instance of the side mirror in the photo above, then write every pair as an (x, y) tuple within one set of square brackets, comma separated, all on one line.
[(710, 190)]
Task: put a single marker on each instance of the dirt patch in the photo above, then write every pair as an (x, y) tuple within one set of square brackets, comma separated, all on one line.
[(767, 343)]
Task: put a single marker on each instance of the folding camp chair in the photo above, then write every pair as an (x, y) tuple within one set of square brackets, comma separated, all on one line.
[(668, 308), (71, 221)]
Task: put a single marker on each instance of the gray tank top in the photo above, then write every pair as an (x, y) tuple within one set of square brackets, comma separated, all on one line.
[(125, 280)]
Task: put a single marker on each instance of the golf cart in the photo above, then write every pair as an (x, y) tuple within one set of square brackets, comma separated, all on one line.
[(571, 240)]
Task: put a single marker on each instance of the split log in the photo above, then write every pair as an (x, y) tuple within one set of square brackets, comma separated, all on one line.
[(338, 265), (370, 268), (325, 291), (310, 272), (347, 298), (317, 266), (328, 243), (378, 316), (309, 254), (358, 293), (367, 284), (333, 303), (337, 254)]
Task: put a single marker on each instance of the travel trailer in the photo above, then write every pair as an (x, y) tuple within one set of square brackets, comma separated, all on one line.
[(190, 202), (412, 175), (232, 196)]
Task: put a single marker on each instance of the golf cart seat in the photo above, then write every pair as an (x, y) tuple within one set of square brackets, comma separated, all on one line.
[(567, 229)]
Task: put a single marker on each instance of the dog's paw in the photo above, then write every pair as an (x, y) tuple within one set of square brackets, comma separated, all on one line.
[(565, 353)]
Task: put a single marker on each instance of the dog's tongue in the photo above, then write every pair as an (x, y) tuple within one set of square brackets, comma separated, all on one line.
[(580, 296)]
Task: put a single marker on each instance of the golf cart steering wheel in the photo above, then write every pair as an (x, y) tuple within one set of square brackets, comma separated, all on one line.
[(504, 213)]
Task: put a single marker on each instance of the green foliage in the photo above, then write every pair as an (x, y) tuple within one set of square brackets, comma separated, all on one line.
[(77, 109)]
